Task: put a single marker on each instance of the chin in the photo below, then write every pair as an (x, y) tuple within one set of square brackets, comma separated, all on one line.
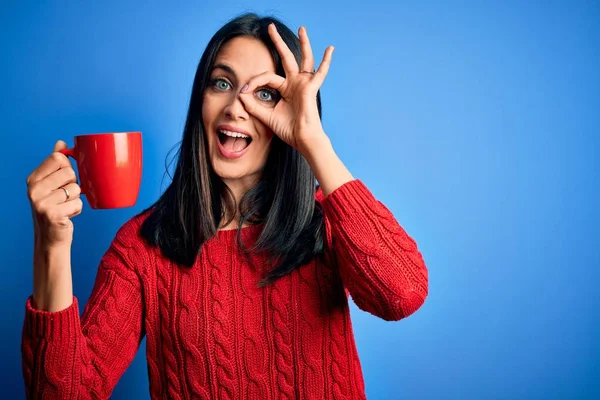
[(226, 171)]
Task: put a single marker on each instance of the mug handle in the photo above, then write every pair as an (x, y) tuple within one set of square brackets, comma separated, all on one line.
[(71, 153)]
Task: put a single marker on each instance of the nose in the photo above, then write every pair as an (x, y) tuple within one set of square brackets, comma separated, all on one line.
[(235, 108)]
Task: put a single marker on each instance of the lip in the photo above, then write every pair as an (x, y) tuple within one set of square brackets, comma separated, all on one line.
[(231, 155)]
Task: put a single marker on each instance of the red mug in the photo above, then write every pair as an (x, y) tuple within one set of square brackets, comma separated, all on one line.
[(110, 167)]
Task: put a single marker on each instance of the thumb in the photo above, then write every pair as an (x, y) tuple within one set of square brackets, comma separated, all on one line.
[(60, 145)]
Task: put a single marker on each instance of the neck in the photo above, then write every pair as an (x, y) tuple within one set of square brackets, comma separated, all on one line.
[(238, 187)]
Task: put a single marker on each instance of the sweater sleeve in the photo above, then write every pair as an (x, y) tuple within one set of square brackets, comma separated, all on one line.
[(65, 357), (380, 265)]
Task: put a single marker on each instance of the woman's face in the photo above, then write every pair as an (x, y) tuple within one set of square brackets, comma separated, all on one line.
[(238, 143)]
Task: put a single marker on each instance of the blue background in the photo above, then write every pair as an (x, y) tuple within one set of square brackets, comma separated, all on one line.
[(476, 123)]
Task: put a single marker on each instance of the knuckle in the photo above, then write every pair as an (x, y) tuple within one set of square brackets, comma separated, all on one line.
[(70, 173), (78, 211), (30, 192), (74, 190), (78, 205)]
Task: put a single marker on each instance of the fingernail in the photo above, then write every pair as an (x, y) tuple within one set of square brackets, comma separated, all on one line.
[(244, 88)]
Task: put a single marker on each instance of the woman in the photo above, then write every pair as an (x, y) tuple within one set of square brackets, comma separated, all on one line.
[(239, 274)]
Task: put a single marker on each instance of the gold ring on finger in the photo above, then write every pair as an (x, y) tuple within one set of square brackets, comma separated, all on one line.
[(66, 193)]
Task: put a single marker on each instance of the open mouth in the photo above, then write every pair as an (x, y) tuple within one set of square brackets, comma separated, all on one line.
[(234, 141)]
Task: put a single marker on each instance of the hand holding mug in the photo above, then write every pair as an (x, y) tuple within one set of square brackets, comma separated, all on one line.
[(110, 171), (54, 197)]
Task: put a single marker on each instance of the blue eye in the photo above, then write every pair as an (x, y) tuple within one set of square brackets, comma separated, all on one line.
[(266, 95), (220, 84)]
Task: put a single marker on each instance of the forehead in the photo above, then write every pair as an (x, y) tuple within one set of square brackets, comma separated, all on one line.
[(246, 56)]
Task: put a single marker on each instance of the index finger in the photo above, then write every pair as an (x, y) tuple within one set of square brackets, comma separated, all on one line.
[(52, 163), (288, 60)]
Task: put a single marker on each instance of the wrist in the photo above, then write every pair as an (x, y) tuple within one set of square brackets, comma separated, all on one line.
[(329, 170), (317, 148), (51, 257), (52, 278)]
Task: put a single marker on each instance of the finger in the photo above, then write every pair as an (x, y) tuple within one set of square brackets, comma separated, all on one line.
[(324, 67), (52, 163), (60, 145), (59, 196), (55, 180), (73, 190), (265, 79), (68, 209), (73, 207), (288, 60), (253, 106), (308, 61), (56, 213)]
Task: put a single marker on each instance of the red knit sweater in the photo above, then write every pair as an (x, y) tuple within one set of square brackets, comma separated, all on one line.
[(211, 333)]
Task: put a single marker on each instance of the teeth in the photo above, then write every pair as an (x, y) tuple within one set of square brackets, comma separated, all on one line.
[(234, 134)]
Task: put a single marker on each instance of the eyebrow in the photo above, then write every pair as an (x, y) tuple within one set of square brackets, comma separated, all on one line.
[(224, 67)]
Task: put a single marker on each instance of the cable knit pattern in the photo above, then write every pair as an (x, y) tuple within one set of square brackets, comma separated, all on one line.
[(280, 303), (167, 331), (254, 343), (190, 327), (336, 351), (212, 333), (310, 325), (222, 318)]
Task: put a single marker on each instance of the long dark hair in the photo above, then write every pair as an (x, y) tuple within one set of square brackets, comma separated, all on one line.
[(192, 207)]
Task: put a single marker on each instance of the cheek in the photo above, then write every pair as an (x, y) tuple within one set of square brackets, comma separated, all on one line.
[(209, 114), (265, 133), (206, 112)]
